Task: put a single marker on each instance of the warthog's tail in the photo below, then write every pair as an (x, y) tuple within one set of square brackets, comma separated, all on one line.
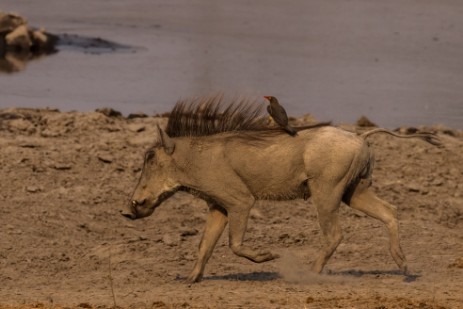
[(313, 126), (427, 137)]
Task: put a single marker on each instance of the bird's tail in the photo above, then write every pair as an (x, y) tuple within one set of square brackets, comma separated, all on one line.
[(291, 130)]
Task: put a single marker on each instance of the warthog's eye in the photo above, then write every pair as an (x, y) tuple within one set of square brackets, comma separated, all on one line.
[(149, 155)]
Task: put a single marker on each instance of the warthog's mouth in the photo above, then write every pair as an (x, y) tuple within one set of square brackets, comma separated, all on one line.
[(128, 214), (140, 211), (136, 211)]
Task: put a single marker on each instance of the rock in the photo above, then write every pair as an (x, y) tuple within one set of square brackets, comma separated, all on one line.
[(365, 122), (437, 182), (256, 213), (61, 166), (413, 187), (40, 39), (449, 132), (109, 112), (137, 115), (33, 189), (451, 214), (20, 43), (169, 240), (10, 115), (19, 39), (189, 232), (141, 140), (458, 263), (283, 237), (19, 124), (306, 119), (105, 158), (29, 145), (10, 21), (49, 133), (135, 127), (411, 130)]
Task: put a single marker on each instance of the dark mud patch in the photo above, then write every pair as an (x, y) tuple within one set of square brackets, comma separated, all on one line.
[(91, 45)]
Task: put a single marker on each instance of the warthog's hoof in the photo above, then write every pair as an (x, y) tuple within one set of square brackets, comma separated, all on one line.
[(404, 269), (194, 278), (265, 256)]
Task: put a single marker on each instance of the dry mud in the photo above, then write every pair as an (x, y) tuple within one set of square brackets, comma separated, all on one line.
[(63, 244)]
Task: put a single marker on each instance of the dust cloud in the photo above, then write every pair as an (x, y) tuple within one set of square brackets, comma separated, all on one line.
[(292, 270)]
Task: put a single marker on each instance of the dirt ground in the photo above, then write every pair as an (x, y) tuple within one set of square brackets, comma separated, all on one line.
[(63, 244)]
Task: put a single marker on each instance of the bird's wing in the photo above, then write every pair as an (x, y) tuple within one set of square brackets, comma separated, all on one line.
[(280, 114)]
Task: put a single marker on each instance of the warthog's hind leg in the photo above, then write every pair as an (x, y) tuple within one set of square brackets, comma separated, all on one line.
[(215, 224), (366, 201)]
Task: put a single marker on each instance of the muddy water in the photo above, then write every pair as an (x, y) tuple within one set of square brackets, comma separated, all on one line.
[(398, 63)]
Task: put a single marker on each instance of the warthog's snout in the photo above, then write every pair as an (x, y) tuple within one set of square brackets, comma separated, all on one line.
[(128, 214), (130, 211)]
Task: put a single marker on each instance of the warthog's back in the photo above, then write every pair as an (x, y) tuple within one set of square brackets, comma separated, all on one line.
[(276, 165)]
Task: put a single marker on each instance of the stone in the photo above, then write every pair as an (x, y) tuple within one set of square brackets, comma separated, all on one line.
[(10, 21), (19, 38), (365, 122), (109, 112), (169, 240)]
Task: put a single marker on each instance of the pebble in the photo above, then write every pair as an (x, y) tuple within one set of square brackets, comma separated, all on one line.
[(19, 124), (437, 182), (61, 166), (109, 112), (33, 189), (189, 232), (106, 158), (137, 115), (169, 240), (135, 127), (413, 187)]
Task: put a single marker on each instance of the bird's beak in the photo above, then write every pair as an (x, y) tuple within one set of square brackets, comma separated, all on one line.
[(267, 97)]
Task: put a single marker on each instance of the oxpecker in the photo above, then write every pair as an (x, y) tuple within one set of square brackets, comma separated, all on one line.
[(278, 113)]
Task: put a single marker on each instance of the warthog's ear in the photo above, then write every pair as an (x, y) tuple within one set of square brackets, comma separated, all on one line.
[(166, 142)]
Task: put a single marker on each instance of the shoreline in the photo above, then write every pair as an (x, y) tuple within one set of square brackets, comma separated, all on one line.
[(13, 113)]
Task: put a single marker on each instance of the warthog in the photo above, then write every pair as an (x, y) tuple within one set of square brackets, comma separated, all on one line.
[(231, 158)]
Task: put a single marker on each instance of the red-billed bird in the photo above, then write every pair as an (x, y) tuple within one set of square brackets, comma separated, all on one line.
[(278, 113)]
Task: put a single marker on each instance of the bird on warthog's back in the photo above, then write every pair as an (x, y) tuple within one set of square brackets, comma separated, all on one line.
[(278, 113)]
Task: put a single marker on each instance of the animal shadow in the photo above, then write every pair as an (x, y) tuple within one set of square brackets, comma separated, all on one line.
[(254, 276), (377, 273)]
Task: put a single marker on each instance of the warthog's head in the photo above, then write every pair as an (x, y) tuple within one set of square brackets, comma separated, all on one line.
[(156, 182)]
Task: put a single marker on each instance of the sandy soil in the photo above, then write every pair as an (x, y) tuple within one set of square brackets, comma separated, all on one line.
[(63, 244)]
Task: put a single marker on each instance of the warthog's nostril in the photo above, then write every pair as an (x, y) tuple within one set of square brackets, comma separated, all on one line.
[(136, 203)]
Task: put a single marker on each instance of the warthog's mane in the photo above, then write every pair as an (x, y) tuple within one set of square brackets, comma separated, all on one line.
[(213, 114)]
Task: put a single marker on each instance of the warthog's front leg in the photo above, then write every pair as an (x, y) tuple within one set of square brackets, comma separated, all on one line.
[(238, 219), (215, 224)]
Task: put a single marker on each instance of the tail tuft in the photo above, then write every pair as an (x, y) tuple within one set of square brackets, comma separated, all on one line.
[(432, 139)]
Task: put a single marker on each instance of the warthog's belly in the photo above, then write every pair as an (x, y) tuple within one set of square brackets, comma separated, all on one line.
[(300, 191)]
